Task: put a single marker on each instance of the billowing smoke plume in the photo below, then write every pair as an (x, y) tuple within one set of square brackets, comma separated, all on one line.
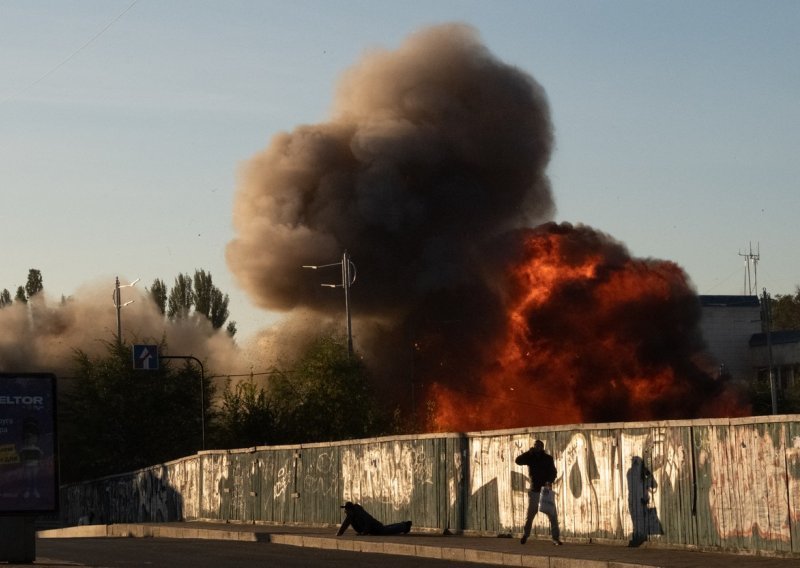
[(432, 149), (430, 173), (43, 335)]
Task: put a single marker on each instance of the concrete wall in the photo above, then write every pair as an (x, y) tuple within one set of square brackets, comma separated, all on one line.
[(719, 484)]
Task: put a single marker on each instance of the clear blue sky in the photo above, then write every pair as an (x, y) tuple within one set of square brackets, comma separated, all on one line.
[(123, 124)]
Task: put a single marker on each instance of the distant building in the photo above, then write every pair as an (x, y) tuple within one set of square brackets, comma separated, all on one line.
[(728, 323), (735, 338), (785, 347)]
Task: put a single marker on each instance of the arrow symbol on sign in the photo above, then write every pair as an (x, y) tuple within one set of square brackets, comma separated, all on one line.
[(145, 358)]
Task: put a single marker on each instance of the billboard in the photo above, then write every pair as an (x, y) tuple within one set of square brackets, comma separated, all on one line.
[(28, 443)]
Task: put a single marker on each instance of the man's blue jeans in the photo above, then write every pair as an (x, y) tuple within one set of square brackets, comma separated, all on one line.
[(533, 508)]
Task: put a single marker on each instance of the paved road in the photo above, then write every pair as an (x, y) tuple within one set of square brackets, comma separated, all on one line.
[(192, 553), (458, 549)]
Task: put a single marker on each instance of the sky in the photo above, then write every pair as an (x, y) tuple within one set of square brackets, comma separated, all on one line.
[(124, 126)]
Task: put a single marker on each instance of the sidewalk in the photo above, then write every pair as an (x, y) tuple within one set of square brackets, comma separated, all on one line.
[(489, 550)]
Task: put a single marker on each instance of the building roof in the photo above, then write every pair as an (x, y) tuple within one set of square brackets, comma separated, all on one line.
[(729, 301), (777, 338)]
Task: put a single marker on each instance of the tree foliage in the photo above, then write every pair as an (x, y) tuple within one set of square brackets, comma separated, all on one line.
[(326, 395), (231, 328), (181, 298), (246, 417), (158, 293), (116, 419), (323, 396), (34, 285), (760, 392), (786, 311), (209, 300), (192, 297), (203, 286)]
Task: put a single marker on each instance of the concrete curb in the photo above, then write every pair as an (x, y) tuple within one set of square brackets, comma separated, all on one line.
[(125, 530)]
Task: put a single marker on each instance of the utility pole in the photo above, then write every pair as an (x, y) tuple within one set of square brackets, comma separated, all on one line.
[(348, 279), (117, 298), (767, 311)]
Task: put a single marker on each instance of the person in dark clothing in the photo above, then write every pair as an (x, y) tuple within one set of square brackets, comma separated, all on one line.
[(364, 523), (542, 473)]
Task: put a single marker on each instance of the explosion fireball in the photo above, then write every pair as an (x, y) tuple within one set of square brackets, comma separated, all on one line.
[(473, 310)]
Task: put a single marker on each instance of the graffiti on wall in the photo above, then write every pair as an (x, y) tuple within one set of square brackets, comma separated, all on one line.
[(322, 477), (214, 481), (283, 480), (608, 482), (581, 482), (747, 479), (385, 472), (699, 483), (152, 494)]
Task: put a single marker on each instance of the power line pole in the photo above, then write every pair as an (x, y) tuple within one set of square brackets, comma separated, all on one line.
[(348, 279), (767, 311), (117, 298)]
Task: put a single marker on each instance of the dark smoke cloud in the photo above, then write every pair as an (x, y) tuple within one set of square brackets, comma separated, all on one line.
[(431, 149)]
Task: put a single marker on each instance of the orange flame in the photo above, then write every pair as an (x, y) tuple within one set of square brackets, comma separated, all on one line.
[(590, 334)]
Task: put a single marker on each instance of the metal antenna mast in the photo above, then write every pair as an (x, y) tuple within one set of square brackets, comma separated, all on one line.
[(751, 285)]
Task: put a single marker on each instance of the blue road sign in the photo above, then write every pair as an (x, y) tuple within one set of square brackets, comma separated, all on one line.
[(145, 357)]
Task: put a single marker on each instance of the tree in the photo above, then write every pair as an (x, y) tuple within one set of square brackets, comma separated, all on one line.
[(203, 288), (34, 285), (20, 296), (118, 419), (193, 296), (326, 395), (231, 328), (158, 293), (5, 298), (786, 311), (218, 313), (246, 417), (209, 300), (181, 298)]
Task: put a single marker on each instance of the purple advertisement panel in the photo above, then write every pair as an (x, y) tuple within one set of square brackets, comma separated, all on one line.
[(28, 443)]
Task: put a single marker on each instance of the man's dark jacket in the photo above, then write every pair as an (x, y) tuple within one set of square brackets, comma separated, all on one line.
[(363, 522), (541, 468)]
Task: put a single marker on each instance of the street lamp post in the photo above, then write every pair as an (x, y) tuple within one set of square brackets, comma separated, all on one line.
[(117, 298), (348, 279)]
